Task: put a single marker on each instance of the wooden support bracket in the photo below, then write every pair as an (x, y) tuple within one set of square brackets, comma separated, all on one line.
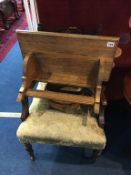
[(97, 100), (29, 72)]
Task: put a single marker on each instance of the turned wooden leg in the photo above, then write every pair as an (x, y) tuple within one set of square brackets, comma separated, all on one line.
[(30, 151), (96, 154), (4, 20), (6, 24), (92, 155)]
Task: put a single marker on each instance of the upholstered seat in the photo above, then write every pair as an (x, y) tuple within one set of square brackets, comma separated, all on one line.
[(81, 62), (46, 125)]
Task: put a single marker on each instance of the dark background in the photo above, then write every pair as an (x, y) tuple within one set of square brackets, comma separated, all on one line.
[(110, 17)]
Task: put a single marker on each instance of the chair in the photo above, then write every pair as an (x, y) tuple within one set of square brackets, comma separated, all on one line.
[(75, 60), (7, 9)]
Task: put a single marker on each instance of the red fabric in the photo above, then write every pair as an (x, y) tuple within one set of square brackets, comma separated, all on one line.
[(8, 37), (113, 15), (115, 85)]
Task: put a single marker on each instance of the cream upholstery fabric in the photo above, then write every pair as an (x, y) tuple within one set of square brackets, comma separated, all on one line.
[(45, 125)]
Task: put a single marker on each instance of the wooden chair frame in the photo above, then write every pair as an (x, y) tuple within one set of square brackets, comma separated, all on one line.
[(41, 48)]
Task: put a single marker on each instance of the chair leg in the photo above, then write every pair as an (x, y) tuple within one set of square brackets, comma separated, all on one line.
[(28, 148), (96, 154), (93, 155)]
